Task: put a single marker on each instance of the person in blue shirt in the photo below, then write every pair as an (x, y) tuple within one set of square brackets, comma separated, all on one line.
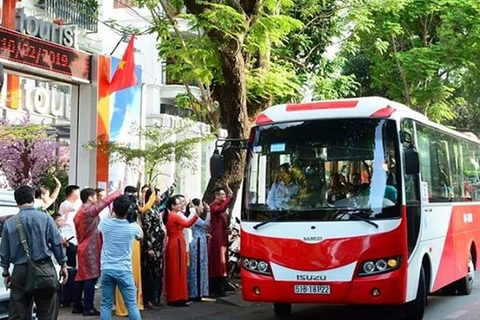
[(116, 260), (283, 189)]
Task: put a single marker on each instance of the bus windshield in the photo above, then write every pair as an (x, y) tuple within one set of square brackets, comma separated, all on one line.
[(323, 170)]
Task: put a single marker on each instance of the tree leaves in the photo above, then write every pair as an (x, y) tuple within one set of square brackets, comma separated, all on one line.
[(419, 51), (162, 145)]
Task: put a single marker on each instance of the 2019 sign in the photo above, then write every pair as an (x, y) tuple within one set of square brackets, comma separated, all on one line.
[(35, 52)]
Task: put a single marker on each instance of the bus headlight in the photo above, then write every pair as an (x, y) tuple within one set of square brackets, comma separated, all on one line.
[(377, 266), (369, 267), (256, 266), (262, 266)]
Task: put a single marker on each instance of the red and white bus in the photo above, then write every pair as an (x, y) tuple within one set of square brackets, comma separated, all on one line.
[(358, 201)]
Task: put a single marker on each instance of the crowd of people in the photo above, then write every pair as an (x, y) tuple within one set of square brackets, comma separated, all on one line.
[(141, 248)]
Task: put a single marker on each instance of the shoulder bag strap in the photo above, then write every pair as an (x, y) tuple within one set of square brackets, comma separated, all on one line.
[(21, 235)]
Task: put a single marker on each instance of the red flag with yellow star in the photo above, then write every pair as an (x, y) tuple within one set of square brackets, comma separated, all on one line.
[(125, 75)]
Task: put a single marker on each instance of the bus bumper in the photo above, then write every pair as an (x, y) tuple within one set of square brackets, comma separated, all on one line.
[(384, 289)]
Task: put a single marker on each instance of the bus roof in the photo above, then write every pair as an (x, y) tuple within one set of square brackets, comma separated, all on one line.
[(365, 107)]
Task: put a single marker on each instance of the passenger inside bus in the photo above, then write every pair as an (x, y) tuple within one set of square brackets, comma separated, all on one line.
[(336, 190), (358, 193), (356, 187), (283, 189)]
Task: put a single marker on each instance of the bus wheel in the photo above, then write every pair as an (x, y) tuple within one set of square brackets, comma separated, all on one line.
[(282, 310), (464, 285), (415, 309)]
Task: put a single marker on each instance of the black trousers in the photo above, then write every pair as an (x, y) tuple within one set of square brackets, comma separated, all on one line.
[(71, 255), (67, 290), (217, 286), (87, 290), (20, 304)]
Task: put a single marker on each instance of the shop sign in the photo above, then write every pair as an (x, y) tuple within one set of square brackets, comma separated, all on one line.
[(60, 34), (19, 48), (46, 102)]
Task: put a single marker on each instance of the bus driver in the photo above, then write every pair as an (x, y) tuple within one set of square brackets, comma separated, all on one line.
[(283, 188)]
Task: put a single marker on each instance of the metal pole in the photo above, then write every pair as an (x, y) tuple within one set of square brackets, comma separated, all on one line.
[(118, 43), (57, 162)]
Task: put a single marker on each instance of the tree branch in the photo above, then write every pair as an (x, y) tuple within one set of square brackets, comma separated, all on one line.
[(312, 50), (294, 61), (320, 16), (400, 71), (236, 5), (174, 25), (194, 7)]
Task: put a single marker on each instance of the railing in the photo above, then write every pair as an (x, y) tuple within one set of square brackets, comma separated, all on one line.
[(73, 12)]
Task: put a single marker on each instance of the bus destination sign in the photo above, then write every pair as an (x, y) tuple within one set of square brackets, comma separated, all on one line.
[(35, 52)]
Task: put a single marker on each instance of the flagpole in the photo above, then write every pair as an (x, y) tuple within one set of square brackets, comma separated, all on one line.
[(118, 43)]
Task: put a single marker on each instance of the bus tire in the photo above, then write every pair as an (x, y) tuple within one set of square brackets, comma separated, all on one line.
[(282, 310), (464, 285), (415, 309)]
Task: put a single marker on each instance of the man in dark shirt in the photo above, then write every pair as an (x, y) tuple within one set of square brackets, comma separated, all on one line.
[(43, 239)]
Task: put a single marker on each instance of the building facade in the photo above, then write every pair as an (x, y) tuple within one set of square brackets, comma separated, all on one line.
[(73, 103), (158, 92)]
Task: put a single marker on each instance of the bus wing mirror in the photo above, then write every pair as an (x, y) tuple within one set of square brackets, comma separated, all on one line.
[(412, 164), (216, 165), (406, 137)]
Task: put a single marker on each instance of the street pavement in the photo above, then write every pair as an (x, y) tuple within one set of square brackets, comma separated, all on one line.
[(233, 308)]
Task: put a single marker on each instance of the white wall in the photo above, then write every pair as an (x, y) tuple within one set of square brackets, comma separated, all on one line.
[(146, 53)]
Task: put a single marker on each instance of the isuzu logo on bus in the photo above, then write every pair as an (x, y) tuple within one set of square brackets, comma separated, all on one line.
[(311, 277)]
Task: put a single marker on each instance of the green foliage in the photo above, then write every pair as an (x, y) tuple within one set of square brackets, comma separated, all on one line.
[(321, 24), (222, 28), (268, 31), (193, 59), (88, 7), (416, 51), (162, 146), (329, 83), (280, 77), (221, 18), (22, 132)]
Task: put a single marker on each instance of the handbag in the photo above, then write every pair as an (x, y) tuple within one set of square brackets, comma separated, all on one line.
[(41, 275)]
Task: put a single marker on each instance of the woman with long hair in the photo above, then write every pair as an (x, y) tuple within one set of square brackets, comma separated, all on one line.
[(198, 268), (175, 254)]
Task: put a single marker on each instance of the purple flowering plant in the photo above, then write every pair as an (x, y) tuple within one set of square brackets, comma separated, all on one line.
[(28, 153)]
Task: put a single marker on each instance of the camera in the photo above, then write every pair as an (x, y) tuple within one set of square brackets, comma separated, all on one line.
[(133, 209)]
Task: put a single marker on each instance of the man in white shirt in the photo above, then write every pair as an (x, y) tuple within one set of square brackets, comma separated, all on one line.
[(68, 209)]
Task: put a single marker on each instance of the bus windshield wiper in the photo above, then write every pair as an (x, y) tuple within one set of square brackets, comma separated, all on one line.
[(287, 214), (352, 213)]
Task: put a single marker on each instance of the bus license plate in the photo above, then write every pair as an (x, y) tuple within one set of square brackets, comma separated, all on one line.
[(311, 289)]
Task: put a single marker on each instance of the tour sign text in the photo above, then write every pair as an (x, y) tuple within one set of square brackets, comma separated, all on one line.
[(63, 35)]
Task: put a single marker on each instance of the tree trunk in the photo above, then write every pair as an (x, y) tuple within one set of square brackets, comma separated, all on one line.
[(232, 97)]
